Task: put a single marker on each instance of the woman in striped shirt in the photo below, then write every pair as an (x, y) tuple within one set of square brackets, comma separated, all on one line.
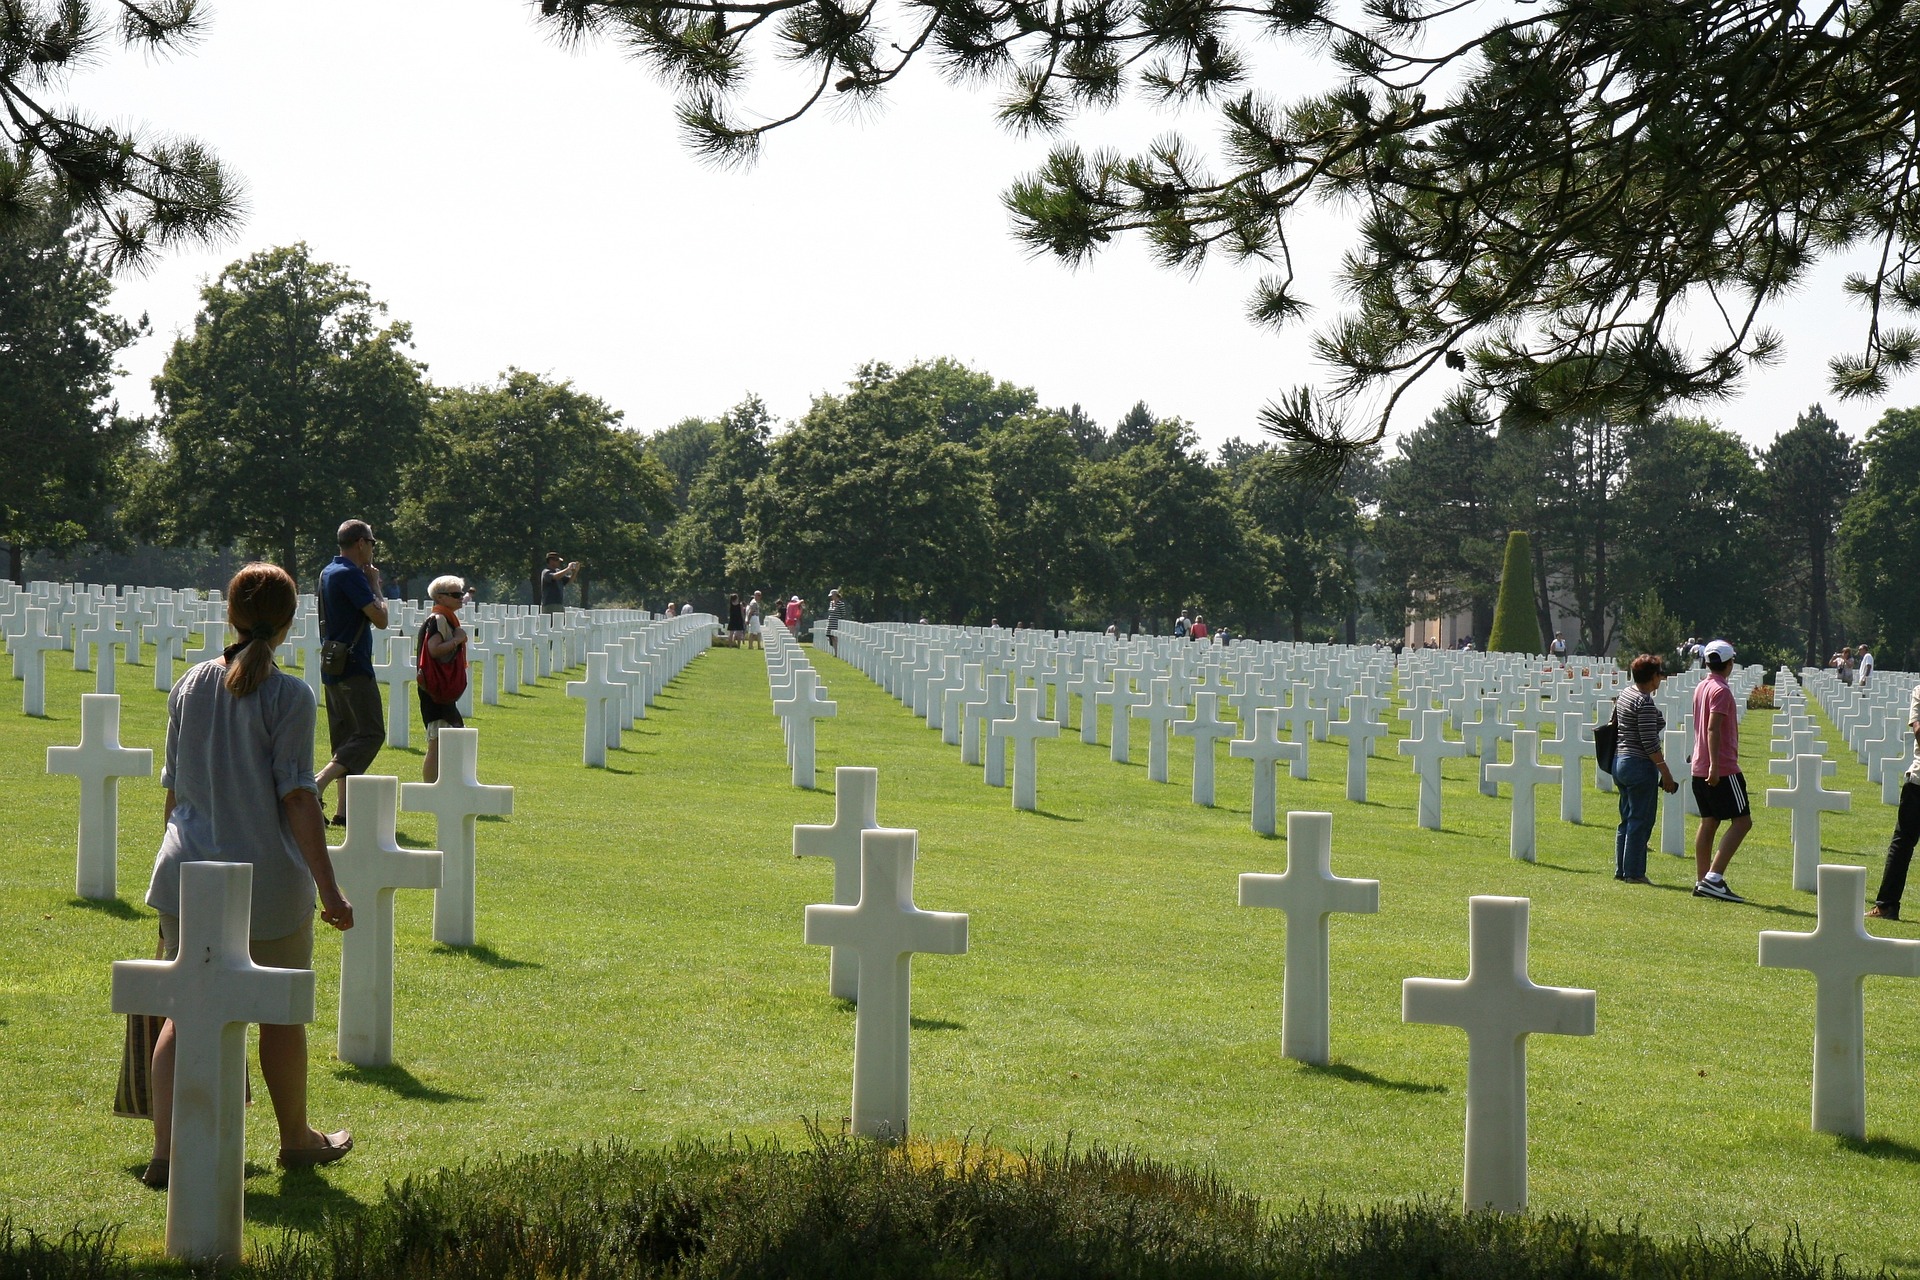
[(1639, 768)]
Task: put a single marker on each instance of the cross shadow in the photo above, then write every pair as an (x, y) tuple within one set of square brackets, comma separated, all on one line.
[(400, 1082), (935, 1024), (1883, 1149), (1572, 871), (107, 907), (1055, 817), (1359, 1075), (302, 1199), (481, 953), (625, 773), (1778, 910)]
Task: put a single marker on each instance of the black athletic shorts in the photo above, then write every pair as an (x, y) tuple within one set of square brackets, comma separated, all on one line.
[(1725, 799)]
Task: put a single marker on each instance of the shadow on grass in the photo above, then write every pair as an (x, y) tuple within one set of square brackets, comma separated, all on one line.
[(107, 907), (1883, 1149), (1360, 1075), (1572, 871), (400, 1082), (1055, 817), (481, 953), (302, 1199), (935, 1024)]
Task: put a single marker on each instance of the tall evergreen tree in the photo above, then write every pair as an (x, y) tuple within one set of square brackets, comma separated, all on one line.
[(1880, 534), (1442, 521), (1516, 620), (1811, 471)]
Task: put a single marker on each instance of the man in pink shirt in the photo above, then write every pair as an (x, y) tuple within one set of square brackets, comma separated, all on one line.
[(1719, 788)]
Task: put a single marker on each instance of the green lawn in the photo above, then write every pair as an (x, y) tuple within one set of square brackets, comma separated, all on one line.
[(642, 975)]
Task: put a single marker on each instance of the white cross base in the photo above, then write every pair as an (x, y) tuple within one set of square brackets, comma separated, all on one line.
[(1808, 798), (856, 810), (1205, 727), (369, 865), (456, 801), (99, 762), (1308, 892), (1428, 748), (30, 649), (211, 991), (1840, 953), (884, 929), (1498, 1006), (601, 694), (799, 710)]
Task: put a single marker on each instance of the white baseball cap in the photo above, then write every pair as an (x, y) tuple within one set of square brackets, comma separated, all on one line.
[(1718, 651)]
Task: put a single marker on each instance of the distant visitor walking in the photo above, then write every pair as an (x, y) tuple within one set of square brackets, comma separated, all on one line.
[(351, 605)]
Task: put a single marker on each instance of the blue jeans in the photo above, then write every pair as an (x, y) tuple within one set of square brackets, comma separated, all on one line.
[(1639, 783)]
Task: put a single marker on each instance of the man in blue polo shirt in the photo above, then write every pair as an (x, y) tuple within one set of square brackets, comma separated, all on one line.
[(350, 607)]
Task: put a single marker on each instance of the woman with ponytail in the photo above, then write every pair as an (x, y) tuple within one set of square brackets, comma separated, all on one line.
[(240, 788)]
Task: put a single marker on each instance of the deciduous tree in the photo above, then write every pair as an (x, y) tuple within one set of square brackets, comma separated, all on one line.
[(290, 407)]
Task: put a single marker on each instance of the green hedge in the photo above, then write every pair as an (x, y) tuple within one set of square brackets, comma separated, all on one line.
[(1516, 623), (841, 1208)]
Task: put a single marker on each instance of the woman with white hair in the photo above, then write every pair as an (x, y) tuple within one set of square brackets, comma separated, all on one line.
[(441, 654)]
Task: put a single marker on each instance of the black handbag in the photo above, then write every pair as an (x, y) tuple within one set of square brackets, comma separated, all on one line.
[(334, 653), (1606, 738)]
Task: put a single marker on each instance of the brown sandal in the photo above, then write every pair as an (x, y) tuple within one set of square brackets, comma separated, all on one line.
[(332, 1146)]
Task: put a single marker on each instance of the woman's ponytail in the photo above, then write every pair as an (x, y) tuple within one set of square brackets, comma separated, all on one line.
[(260, 604)]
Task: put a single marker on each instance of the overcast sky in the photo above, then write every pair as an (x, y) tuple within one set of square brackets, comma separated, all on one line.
[(523, 205)]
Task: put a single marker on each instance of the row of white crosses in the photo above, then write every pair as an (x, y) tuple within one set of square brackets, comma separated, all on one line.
[(949, 675), (634, 660), (799, 698), (212, 989)]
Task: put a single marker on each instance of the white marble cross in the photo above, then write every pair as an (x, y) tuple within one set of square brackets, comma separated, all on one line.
[(1840, 953), (1124, 699), (102, 636), (211, 991), (1525, 772), (1158, 711), (1673, 807), (1498, 1006), (800, 709), (1570, 747), (1808, 799), (456, 800), (856, 809), (884, 930), (1483, 736), (1360, 730), (1205, 727), (1301, 716), (1308, 893), (981, 712), (99, 762), (1026, 727), (396, 670), (1083, 684), (1265, 748), (1428, 748), (601, 693), (369, 865), (30, 649), (169, 642)]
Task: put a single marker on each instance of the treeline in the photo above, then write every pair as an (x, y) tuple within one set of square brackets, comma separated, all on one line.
[(934, 490)]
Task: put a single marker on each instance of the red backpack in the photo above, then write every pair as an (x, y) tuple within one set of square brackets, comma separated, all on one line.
[(442, 679)]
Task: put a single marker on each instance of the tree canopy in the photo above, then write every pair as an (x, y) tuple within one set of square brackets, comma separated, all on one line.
[(1539, 193)]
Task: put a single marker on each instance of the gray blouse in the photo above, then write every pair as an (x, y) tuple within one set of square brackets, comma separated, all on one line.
[(230, 761)]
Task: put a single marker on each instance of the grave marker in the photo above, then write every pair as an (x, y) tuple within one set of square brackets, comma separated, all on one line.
[(1498, 1006), (884, 930), (456, 800), (99, 762), (369, 865)]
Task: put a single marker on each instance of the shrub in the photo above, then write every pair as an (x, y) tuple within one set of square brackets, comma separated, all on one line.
[(1516, 623), (841, 1208)]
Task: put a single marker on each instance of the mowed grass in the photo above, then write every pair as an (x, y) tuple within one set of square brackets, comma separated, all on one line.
[(641, 975)]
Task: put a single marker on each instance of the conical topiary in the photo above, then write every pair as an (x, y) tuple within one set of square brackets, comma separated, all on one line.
[(1516, 624)]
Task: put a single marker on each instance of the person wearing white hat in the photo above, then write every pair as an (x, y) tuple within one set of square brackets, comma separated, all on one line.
[(1719, 788)]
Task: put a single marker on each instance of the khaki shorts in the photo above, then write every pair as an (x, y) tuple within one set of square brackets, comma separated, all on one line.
[(295, 951)]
